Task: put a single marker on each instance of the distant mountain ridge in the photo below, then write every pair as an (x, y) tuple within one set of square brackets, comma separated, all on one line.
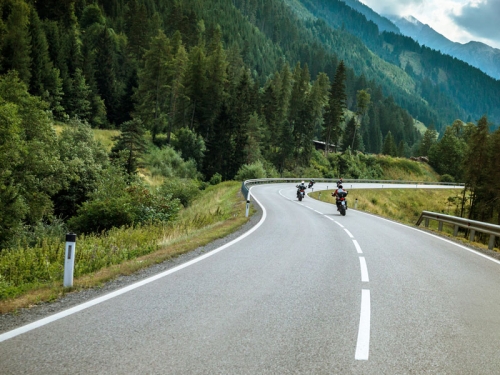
[(383, 23), (477, 54)]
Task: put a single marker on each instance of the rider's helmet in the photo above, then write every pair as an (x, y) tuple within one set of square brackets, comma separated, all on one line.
[(302, 182), (341, 187)]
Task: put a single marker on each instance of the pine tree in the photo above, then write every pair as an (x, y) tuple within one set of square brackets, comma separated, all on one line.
[(389, 146), (136, 28), (476, 167), (153, 86), (430, 138), (196, 84), (178, 98), (16, 48), (129, 146), (105, 74), (334, 116)]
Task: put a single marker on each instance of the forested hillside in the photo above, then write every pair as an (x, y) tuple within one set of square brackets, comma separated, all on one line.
[(201, 91), (450, 86)]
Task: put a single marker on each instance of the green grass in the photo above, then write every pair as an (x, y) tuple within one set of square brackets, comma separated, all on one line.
[(103, 136), (34, 274), (404, 205)]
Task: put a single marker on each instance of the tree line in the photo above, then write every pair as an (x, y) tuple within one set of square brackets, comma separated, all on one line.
[(194, 104)]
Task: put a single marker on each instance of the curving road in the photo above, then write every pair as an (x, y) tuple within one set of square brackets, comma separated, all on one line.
[(306, 291)]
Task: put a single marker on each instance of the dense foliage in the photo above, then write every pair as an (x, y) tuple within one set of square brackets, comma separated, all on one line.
[(202, 92)]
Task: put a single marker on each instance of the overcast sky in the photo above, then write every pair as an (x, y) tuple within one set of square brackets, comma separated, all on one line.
[(458, 20)]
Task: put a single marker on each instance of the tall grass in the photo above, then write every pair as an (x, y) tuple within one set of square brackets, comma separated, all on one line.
[(27, 267), (404, 205)]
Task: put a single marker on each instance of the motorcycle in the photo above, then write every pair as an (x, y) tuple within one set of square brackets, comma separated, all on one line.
[(301, 193), (342, 203), (311, 184)]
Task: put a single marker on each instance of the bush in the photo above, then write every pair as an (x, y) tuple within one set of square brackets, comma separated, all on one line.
[(447, 178), (116, 204), (168, 163), (183, 189), (251, 171), (216, 179)]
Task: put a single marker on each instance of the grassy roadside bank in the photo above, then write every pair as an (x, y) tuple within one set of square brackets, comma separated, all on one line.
[(218, 212), (405, 205)]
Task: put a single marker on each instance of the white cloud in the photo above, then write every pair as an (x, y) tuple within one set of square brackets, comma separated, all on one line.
[(458, 20), (480, 19)]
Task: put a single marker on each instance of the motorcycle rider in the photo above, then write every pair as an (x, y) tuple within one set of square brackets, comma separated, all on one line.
[(311, 183), (301, 186), (338, 193), (339, 182)]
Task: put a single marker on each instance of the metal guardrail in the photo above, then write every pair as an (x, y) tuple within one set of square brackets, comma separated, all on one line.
[(459, 222), (245, 185)]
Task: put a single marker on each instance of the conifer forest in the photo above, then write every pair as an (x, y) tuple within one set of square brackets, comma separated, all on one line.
[(203, 91)]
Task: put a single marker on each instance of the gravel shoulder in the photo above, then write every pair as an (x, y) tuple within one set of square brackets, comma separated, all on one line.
[(25, 316)]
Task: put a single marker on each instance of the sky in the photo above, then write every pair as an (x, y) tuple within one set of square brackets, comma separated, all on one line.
[(458, 20)]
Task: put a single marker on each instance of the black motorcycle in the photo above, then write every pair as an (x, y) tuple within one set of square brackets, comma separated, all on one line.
[(301, 193)]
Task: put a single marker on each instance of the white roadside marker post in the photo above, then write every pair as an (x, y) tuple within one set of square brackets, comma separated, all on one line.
[(69, 259), (248, 204)]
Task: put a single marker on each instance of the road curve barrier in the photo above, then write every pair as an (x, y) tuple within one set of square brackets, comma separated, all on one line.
[(246, 185), (459, 222)]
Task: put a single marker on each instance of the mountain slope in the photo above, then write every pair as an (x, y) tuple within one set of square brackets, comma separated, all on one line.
[(476, 54), (451, 87)]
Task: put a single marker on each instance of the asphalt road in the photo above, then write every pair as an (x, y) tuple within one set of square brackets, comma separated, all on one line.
[(307, 291)]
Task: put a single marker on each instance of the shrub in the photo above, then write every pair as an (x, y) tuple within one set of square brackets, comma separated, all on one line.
[(251, 171), (116, 204), (447, 178), (167, 162), (216, 179), (183, 189)]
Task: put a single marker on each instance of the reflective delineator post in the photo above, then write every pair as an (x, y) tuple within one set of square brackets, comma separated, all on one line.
[(356, 204), (69, 259), (248, 204)]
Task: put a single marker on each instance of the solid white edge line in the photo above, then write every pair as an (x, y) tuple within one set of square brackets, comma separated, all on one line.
[(349, 233), (364, 270), (435, 236), (86, 305), (358, 248), (363, 343)]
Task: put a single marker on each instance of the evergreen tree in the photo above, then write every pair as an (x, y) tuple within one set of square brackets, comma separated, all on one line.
[(16, 49), (476, 167), (178, 98), (351, 137), (430, 138), (136, 28), (334, 115), (153, 90), (105, 74), (389, 146), (129, 146), (196, 84)]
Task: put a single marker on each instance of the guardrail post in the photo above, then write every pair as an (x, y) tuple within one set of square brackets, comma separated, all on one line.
[(455, 230), (491, 244), (472, 235), (426, 222), (440, 226)]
